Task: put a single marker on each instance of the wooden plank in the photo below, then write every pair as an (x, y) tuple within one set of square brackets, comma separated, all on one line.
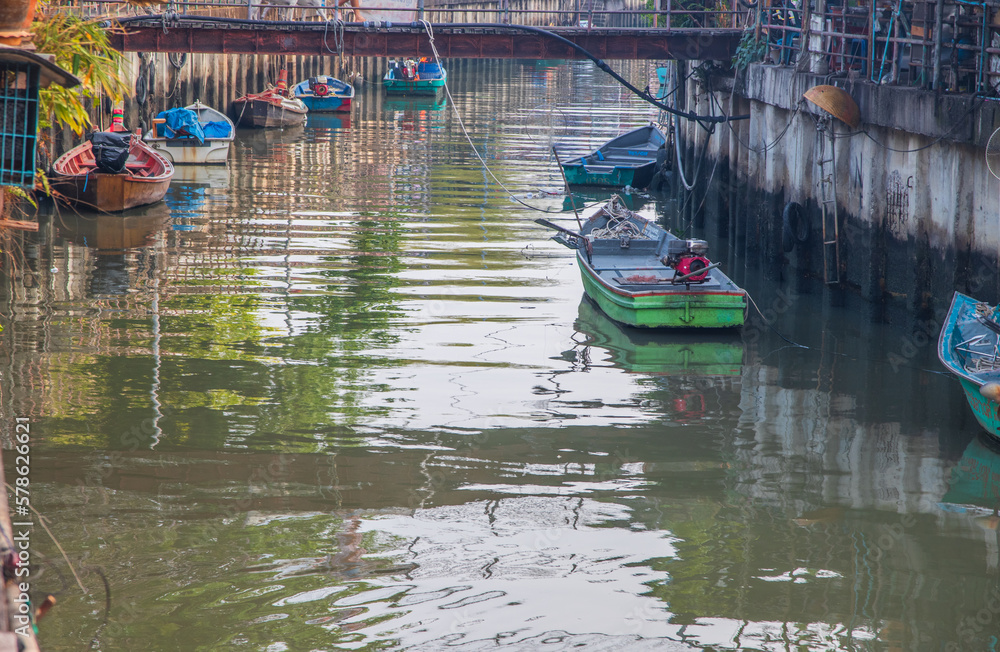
[(18, 225)]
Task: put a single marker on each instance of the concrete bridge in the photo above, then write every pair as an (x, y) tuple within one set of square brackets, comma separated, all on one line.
[(543, 29)]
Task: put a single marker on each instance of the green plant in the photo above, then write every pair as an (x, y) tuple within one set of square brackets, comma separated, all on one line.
[(82, 47), (752, 48)]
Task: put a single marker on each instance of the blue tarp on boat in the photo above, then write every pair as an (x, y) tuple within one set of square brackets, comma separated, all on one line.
[(180, 123), (217, 129)]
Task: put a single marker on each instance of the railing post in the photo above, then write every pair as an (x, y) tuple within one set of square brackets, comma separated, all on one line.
[(249, 9), (938, 27), (420, 10), (805, 34), (669, 9)]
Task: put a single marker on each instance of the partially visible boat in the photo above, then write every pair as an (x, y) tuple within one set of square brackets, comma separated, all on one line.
[(412, 77), (274, 107), (968, 348), (641, 275), (630, 159), (81, 177), (324, 94), (193, 135)]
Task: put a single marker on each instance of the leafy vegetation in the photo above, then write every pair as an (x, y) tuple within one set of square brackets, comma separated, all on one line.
[(752, 48), (82, 47)]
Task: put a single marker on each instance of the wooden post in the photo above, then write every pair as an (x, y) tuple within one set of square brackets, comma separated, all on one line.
[(572, 201)]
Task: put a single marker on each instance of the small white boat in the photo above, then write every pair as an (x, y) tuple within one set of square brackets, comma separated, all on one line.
[(194, 135)]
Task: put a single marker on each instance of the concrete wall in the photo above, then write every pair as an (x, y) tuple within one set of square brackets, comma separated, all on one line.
[(919, 210)]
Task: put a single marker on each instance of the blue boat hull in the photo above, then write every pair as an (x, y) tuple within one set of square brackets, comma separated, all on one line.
[(967, 347), (326, 104), (987, 412)]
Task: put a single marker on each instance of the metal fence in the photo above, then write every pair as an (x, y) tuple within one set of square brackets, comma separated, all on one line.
[(18, 123), (948, 45)]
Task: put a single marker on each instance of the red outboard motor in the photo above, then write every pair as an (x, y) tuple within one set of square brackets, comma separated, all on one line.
[(687, 257), (409, 69)]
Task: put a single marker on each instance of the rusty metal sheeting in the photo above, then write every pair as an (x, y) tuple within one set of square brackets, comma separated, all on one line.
[(412, 41)]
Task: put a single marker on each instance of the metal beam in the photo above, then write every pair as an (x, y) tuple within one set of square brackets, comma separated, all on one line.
[(466, 43)]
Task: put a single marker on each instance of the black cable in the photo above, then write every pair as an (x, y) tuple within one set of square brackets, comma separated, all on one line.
[(644, 95)]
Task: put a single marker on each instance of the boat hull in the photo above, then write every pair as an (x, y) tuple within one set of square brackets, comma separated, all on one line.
[(328, 104), (76, 179), (986, 411), (429, 87), (263, 114), (213, 152), (630, 159), (664, 309), (963, 340), (111, 193), (578, 174)]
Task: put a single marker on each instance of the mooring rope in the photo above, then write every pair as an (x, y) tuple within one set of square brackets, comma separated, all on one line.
[(437, 59)]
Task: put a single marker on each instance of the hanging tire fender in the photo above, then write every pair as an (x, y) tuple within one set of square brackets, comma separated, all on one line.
[(795, 227)]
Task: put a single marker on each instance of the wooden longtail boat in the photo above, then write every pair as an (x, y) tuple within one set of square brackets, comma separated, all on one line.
[(272, 108), (967, 347), (627, 160), (184, 148), (77, 178), (269, 109), (324, 94), (642, 275), (411, 77)]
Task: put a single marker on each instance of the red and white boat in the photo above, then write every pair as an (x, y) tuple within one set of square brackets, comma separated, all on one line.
[(272, 108)]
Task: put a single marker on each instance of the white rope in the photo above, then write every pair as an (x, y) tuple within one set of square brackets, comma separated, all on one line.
[(451, 101)]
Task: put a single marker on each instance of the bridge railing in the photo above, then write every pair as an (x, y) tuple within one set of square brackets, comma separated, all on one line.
[(905, 43), (575, 14)]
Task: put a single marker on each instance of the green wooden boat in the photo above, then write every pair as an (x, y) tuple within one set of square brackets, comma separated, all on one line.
[(627, 160), (641, 275), (967, 347), (410, 77), (662, 353)]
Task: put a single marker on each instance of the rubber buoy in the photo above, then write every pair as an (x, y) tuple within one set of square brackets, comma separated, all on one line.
[(794, 226)]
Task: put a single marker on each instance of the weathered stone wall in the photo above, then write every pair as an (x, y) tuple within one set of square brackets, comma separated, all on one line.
[(919, 209)]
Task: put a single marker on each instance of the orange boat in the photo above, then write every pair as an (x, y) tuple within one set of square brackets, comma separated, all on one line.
[(144, 178)]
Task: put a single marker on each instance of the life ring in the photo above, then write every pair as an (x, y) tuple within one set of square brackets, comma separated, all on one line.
[(320, 90), (795, 227)]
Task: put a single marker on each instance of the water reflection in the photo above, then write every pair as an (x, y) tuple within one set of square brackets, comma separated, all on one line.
[(347, 395), (110, 234), (659, 353), (415, 104), (331, 122)]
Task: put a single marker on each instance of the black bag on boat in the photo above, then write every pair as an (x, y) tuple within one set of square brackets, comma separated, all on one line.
[(110, 150)]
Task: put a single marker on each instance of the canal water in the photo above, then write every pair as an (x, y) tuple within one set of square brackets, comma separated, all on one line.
[(345, 394)]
